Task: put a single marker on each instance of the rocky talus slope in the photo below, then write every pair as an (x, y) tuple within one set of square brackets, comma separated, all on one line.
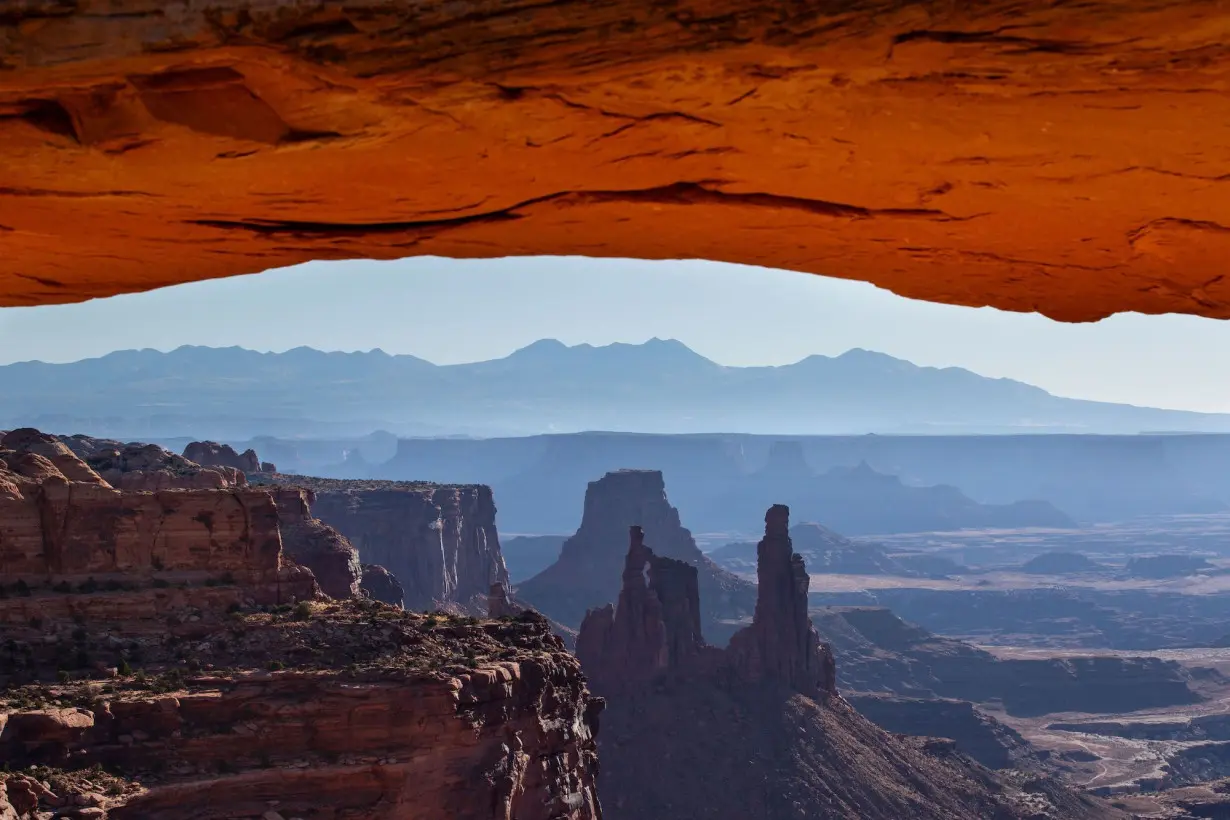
[(587, 573), (160, 657), (758, 730), (440, 541)]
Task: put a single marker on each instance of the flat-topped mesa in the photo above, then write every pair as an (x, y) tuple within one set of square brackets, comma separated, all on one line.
[(781, 644), (213, 454), (585, 575)]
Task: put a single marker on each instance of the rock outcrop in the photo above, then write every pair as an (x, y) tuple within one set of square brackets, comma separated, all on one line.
[(60, 521), (904, 144), (164, 658), (587, 573), (381, 585), (498, 605), (439, 541), (781, 644), (322, 715), (313, 544), (213, 454), (758, 730), (136, 466)]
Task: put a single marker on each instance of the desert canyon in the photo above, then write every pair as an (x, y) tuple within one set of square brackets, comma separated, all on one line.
[(206, 636)]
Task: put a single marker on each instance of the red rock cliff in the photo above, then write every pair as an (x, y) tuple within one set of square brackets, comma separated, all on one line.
[(389, 716), (439, 541), (59, 520)]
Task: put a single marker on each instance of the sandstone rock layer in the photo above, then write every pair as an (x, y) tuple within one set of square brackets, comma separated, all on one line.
[(1066, 158), (391, 716), (439, 541)]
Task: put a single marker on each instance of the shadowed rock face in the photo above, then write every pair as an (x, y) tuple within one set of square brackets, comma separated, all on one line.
[(902, 143), (587, 573), (440, 541), (655, 628), (757, 730), (315, 545), (382, 585), (781, 644), (213, 454)]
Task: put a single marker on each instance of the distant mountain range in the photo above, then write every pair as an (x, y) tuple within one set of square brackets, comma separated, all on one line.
[(660, 386)]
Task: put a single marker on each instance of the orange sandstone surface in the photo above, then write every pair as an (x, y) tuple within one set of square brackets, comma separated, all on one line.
[(1072, 159)]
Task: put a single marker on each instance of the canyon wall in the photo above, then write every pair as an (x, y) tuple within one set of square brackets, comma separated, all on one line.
[(440, 542), (61, 521), (415, 719)]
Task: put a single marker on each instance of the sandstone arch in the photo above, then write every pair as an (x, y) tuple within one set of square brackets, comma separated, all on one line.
[(1071, 158)]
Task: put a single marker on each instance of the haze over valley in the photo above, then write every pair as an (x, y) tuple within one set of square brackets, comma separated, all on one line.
[(1019, 599)]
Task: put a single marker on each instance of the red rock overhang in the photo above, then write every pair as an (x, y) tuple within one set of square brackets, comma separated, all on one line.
[(1070, 158)]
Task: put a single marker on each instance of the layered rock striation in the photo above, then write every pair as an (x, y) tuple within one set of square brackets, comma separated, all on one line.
[(929, 135), (345, 710), (61, 521), (587, 573), (439, 541), (161, 657)]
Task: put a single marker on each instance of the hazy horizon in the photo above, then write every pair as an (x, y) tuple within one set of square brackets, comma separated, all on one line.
[(458, 311)]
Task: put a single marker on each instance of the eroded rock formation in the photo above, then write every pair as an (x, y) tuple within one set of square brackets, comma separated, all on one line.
[(879, 652), (902, 143), (439, 541), (758, 730), (587, 573), (213, 454), (315, 545), (136, 466), (781, 644), (160, 653), (381, 585), (323, 716)]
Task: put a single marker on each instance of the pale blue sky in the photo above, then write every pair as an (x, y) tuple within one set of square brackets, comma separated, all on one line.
[(455, 311)]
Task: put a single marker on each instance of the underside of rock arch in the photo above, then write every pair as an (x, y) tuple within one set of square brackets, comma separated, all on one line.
[(1067, 157)]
